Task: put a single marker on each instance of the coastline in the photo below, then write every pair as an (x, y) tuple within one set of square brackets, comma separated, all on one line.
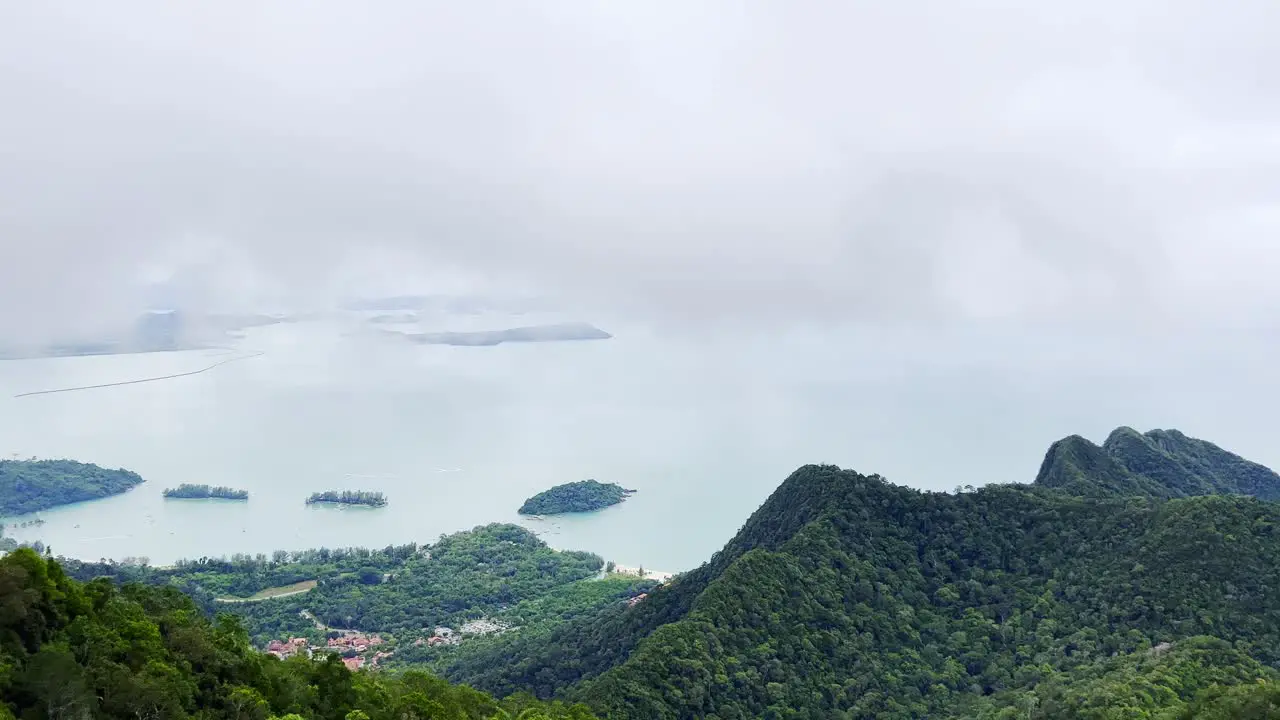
[(659, 575)]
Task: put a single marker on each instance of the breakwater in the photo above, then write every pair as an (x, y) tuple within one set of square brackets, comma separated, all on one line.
[(220, 363)]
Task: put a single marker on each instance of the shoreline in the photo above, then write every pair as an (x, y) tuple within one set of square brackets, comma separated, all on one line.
[(659, 575)]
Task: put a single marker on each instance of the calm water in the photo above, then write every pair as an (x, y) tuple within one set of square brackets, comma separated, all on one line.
[(457, 437)]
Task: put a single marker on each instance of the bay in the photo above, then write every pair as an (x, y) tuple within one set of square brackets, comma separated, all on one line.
[(703, 427)]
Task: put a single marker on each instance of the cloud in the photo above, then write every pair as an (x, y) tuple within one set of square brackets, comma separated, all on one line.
[(961, 162)]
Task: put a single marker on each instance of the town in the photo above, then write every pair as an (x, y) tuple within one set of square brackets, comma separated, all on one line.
[(357, 649)]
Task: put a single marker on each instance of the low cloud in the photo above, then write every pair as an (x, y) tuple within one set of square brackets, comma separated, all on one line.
[(722, 163)]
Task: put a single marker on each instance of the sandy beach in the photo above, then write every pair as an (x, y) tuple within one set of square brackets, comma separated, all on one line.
[(658, 575)]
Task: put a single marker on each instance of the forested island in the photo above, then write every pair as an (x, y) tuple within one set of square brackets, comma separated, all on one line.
[(581, 496), (534, 333), (200, 492), (28, 486), (348, 497)]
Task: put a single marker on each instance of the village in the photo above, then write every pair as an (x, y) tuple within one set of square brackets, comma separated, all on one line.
[(357, 649), (361, 650), (366, 651)]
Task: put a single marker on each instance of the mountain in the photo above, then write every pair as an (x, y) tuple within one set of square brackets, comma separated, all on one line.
[(1161, 463), (845, 596)]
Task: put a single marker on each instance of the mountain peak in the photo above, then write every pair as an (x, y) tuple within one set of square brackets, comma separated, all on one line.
[(1076, 465), (1158, 463)]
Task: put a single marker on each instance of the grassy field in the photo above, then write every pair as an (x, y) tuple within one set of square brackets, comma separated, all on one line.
[(275, 592)]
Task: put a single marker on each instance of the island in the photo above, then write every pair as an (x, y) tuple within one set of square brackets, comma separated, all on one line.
[(581, 496), (394, 319), (187, 491), (533, 333), (27, 486), (348, 497)]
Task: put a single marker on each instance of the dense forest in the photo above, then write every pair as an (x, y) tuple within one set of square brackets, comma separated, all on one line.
[(581, 496), (846, 596), (1159, 463), (72, 650), (348, 497), (27, 486), (200, 492), (497, 571)]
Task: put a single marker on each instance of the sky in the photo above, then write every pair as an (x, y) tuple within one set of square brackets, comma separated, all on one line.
[(964, 164)]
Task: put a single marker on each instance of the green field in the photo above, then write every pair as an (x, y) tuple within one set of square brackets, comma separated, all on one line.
[(273, 592)]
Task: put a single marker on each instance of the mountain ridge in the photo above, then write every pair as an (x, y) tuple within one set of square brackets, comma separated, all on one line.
[(1162, 463), (846, 596)]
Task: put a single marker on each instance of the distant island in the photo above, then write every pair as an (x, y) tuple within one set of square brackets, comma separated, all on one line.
[(152, 331), (348, 497), (394, 319), (27, 486), (533, 333), (581, 496), (200, 492)]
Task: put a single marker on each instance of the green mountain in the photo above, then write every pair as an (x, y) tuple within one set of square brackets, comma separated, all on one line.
[(844, 596), (1160, 463), (1200, 677)]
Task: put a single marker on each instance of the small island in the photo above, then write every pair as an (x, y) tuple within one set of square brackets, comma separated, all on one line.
[(348, 497), (200, 492), (27, 486), (581, 496), (533, 334)]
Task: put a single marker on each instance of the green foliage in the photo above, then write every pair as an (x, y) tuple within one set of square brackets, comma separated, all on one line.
[(348, 497), (845, 596), (1164, 682), (532, 622), (486, 571), (27, 486), (71, 650), (187, 490), (581, 496), (1160, 463), (1133, 580)]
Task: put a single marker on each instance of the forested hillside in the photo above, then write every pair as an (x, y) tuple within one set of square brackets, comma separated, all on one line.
[(1162, 463), (498, 571), (846, 596), (72, 650)]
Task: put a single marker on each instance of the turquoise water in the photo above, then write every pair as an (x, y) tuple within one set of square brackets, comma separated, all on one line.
[(456, 437)]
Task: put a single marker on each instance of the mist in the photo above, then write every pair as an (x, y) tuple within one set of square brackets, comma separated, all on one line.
[(735, 167)]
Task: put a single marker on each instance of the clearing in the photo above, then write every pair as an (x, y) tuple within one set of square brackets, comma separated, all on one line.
[(275, 592)]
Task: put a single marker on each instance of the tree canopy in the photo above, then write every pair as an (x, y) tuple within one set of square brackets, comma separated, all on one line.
[(72, 650), (581, 496), (846, 596), (27, 486)]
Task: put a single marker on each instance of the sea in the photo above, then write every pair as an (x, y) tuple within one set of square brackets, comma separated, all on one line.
[(703, 425)]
